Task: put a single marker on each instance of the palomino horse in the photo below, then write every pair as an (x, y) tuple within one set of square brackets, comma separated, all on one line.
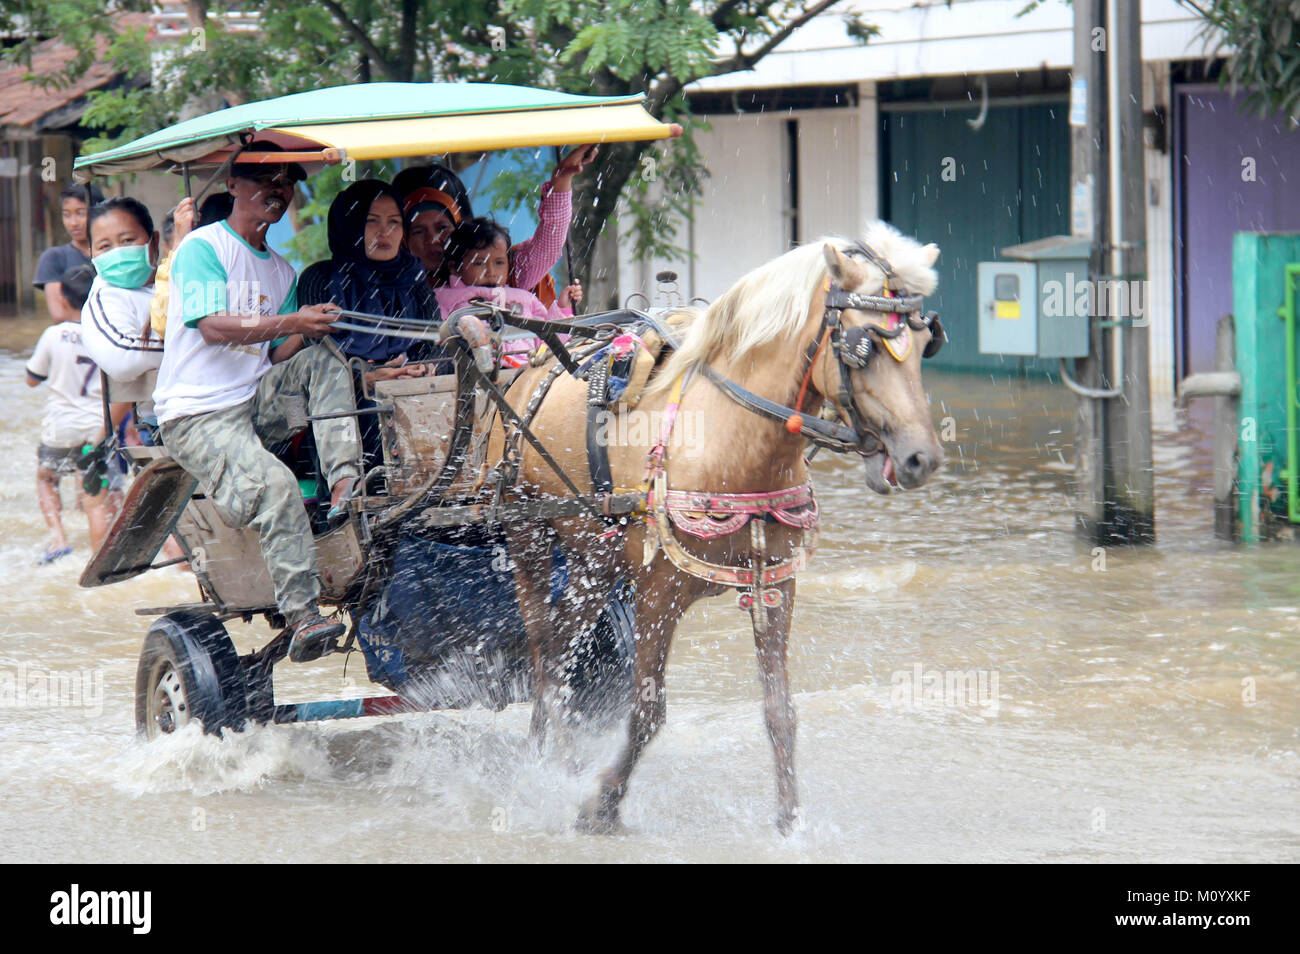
[(748, 513)]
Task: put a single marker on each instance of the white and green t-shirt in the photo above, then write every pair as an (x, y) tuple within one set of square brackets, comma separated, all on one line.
[(215, 271)]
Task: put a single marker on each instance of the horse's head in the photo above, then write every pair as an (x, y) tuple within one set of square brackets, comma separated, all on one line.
[(870, 369)]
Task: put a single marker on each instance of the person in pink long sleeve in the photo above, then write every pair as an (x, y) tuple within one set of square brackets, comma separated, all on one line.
[(435, 203), (478, 258)]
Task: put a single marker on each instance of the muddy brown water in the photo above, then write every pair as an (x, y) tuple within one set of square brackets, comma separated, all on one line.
[(973, 684)]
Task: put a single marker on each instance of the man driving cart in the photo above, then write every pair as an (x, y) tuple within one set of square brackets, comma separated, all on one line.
[(230, 384)]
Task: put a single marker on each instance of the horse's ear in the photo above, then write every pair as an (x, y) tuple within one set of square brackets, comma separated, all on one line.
[(930, 254), (836, 263)]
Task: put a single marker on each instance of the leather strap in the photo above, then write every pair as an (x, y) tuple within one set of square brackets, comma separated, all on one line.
[(602, 481)]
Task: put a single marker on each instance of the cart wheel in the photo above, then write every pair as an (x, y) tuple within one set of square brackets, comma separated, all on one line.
[(188, 670), (603, 664)]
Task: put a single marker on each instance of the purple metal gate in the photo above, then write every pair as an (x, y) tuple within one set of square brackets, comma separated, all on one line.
[(1233, 172)]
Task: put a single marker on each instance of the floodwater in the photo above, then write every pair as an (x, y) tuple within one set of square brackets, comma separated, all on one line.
[(1131, 705)]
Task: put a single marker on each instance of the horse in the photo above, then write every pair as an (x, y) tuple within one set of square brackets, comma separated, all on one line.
[(737, 482)]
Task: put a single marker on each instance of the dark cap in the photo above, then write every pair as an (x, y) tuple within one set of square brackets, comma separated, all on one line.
[(257, 170)]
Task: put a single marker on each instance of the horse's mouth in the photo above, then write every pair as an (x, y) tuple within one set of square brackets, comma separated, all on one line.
[(881, 474)]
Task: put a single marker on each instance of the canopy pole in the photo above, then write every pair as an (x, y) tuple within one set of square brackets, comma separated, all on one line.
[(220, 171), (568, 250), (185, 171)]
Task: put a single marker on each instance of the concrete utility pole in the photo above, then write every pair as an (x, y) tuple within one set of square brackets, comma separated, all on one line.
[(1114, 471)]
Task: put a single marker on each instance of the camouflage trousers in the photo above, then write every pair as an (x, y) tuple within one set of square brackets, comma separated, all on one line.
[(249, 486)]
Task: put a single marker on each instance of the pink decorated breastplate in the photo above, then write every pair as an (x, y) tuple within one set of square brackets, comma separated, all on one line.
[(712, 515)]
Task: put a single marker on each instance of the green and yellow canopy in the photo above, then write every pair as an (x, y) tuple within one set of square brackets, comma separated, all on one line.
[(388, 120)]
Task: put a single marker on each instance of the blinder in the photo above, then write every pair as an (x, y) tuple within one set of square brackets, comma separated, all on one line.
[(853, 347), (937, 335)]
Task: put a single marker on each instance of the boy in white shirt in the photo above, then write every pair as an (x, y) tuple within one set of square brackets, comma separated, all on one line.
[(74, 414)]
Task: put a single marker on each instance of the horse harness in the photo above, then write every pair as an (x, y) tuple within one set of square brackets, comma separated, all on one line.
[(710, 515)]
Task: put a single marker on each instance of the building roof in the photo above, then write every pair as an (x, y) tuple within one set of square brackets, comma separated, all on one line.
[(923, 38), (26, 106)]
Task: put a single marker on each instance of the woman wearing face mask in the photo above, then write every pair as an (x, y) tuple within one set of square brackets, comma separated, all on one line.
[(115, 319)]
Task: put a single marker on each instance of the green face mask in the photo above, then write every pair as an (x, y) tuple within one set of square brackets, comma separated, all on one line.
[(126, 266)]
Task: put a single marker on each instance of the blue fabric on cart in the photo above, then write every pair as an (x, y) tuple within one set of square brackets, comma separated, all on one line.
[(441, 599)]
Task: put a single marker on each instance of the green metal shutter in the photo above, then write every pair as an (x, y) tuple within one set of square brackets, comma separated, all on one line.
[(1011, 185)]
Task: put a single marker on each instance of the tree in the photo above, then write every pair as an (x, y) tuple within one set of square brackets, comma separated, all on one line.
[(1261, 40), (612, 47)]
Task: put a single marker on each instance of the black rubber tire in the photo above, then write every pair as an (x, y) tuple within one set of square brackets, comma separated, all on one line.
[(189, 669), (603, 665)]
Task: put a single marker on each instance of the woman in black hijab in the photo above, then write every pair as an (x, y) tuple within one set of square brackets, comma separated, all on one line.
[(371, 271)]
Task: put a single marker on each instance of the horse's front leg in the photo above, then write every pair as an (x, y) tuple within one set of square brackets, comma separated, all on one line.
[(778, 710)]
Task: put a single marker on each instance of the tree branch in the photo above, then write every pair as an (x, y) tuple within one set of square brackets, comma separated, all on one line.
[(745, 61), (367, 46), (406, 45), (719, 15)]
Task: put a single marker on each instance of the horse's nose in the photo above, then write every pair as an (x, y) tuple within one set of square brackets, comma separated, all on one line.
[(920, 465)]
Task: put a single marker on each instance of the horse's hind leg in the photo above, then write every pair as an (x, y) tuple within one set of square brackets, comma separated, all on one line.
[(778, 710), (530, 551), (654, 634)]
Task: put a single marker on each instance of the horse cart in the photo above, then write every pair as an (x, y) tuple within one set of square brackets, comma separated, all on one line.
[(516, 550), (420, 566)]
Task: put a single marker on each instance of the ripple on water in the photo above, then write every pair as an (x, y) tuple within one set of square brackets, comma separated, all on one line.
[(1157, 687)]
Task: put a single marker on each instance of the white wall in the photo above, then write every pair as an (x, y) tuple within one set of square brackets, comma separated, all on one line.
[(934, 38), (1160, 247), (739, 222), (830, 174)]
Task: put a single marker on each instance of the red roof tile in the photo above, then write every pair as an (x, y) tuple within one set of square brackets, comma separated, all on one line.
[(24, 103)]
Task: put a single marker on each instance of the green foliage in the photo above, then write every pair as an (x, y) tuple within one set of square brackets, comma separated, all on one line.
[(1261, 39), (645, 38), (517, 184), (661, 192), (859, 29), (611, 47), (83, 25)]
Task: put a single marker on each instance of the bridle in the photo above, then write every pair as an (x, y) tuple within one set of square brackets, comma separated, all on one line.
[(853, 349), (698, 513)]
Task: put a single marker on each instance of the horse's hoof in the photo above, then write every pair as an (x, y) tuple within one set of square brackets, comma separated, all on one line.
[(789, 821), (574, 765), (593, 821)]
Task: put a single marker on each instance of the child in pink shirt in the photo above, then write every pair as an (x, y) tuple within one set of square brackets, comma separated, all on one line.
[(479, 255)]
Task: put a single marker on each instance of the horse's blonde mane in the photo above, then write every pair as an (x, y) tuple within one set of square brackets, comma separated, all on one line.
[(771, 302)]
